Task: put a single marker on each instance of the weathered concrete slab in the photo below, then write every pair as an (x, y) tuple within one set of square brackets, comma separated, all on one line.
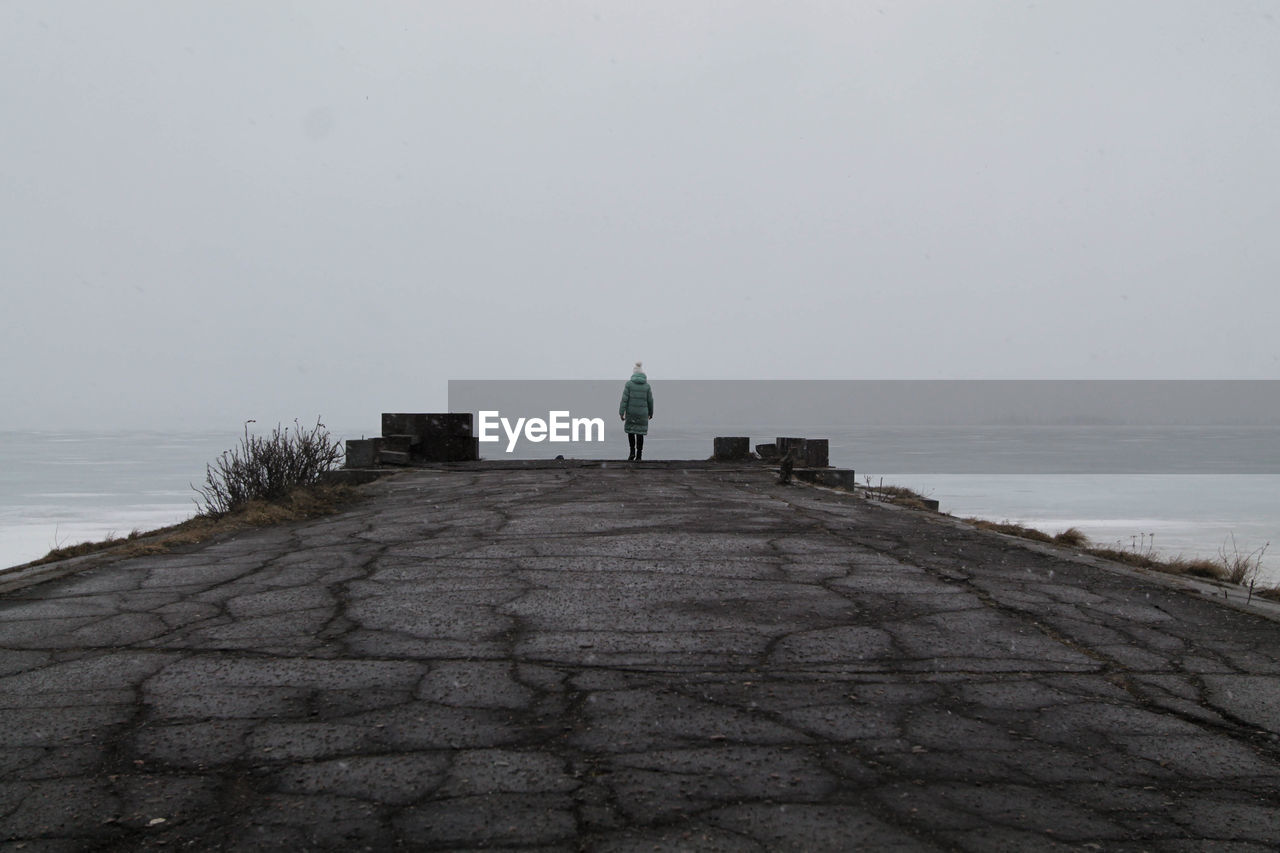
[(790, 444), (427, 426), (450, 449), (387, 456), (400, 443), (434, 436), (568, 657), (816, 453), (362, 452), (728, 448)]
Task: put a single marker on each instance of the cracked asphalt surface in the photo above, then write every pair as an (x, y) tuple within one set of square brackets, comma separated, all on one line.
[(631, 658)]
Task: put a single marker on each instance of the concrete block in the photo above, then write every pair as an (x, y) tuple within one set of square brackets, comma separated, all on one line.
[(459, 448), (427, 425), (437, 436), (731, 448), (404, 423), (450, 449), (400, 443), (449, 424), (394, 457), (363, 452), (768, 452), (792, 445), (815, 453)]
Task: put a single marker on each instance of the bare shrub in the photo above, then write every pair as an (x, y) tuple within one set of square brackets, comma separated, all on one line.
[(898, 495), (267, 468), (1241, 568)]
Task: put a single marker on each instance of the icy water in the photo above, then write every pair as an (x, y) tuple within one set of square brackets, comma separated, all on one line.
[(61, 488), (1187, 489)]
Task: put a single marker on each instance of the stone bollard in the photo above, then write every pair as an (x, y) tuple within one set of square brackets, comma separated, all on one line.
[(731, 448)]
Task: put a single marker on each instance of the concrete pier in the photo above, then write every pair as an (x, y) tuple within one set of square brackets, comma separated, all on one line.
[(614, 657)]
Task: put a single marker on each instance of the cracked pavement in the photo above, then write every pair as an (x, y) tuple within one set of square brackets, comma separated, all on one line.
[(631, 658)]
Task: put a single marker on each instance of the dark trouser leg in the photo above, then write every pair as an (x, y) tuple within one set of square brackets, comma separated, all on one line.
[(639, 447), (631, 440)]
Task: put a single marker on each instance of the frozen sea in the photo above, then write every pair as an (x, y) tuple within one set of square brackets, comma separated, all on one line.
[(1193, 490)]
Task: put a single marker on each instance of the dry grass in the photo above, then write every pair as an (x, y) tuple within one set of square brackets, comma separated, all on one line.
[(1233, 567), (1141, 558), (1197, 567), (1010, 529), (298, 505), (1072, 537)]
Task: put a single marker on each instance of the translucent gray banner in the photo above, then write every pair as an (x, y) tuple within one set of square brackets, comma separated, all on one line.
[(988, 426)]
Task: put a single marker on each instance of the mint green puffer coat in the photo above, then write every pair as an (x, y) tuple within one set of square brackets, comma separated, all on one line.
[(637, 404)]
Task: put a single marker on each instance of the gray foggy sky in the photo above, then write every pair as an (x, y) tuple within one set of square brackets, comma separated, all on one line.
[(212, 211)]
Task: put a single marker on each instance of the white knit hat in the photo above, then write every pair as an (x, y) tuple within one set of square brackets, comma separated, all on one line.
[(638, 368)]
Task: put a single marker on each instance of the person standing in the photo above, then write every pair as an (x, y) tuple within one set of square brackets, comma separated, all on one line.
[(636, 410)]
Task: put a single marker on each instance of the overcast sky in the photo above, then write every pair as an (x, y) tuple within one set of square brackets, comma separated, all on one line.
[(213, 211)]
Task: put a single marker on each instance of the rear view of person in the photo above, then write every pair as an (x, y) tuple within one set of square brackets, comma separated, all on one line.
[(636, 410)]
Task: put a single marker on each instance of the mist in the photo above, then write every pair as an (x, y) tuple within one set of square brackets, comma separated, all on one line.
[(219, 211)]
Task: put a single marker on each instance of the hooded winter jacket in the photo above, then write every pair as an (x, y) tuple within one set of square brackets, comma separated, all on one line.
[(637, 404)]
